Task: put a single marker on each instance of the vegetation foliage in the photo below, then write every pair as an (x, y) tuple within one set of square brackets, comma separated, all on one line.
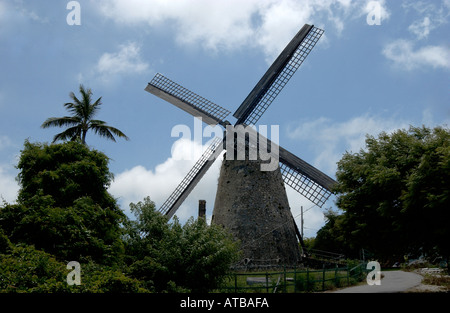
[(65, 213), (394, 197), (82, 119)]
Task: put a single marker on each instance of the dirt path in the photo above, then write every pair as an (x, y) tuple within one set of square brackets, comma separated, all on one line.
[(392, 282)]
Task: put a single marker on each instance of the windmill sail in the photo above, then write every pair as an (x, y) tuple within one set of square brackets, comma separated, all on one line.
[(171, 205), (298, 174), (305, 179), (277, 76), (186, 100)]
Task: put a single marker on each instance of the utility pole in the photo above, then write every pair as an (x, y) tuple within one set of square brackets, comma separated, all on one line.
[(301, 222)]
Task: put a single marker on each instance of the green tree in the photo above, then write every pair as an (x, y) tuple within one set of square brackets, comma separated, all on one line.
[(25, 269), (395, 194), (194, 256), (309, 243), (82, 119), (207, 252), (66, 172), (63, 205), (330, 236)]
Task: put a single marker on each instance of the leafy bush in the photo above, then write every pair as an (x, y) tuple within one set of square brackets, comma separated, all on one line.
[(194, 256), (394, 191), (64, 213), (29, 270), (101, 279)]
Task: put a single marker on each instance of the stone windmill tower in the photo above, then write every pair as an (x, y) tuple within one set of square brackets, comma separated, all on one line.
[(251, 199)]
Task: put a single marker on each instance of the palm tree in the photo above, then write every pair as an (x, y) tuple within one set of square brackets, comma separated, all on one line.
[(83, 112)]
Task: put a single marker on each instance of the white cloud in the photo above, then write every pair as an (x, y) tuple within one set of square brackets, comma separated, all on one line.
[(378, 7), (432, 15), (421, 7), (434, 8), (279, 22), (8, 185), (212, 24), (17, 10), (331, 139), (124, 62), (233, 24), (135, 184), (402, 53), (113, 66), (421, 28)]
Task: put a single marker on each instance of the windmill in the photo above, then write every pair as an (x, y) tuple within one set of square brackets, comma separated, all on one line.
[(265, 226)]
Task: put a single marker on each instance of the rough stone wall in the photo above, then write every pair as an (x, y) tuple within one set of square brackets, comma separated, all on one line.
[(253, 206)]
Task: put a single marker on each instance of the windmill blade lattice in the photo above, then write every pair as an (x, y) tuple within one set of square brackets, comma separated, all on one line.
[(256, 107), (171, 205), (307, 180), (186, 100), (304, 185)]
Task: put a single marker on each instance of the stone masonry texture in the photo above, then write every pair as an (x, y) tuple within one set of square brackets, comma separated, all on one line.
[(253, 206)]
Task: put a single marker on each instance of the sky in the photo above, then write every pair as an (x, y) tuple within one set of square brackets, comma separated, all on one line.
[(380, 66)]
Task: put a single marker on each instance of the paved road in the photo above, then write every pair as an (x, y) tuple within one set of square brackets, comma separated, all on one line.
[(393, 281)]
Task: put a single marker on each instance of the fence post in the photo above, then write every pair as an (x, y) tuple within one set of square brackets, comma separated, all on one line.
[(295, 279), (235, 282), (323, 278), (285, 287), (307, 278), (267, 282), (348, 277), (336, 276)]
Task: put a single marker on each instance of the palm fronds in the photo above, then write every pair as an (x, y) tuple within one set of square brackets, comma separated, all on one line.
[(82, 119)]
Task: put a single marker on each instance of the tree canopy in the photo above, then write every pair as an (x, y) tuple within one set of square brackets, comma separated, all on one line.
[(195, 256), (394, 196), (65, 213), (63, 204)]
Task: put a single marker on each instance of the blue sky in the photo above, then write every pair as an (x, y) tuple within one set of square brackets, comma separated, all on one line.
[(360, 79)]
